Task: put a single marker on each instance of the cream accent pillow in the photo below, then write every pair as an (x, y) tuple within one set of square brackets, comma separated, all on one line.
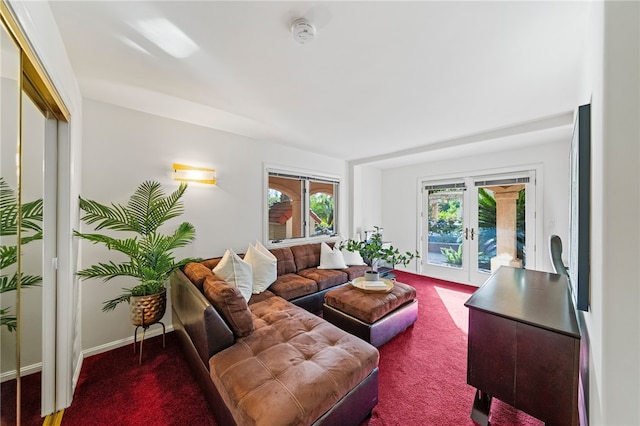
[(264, 266), (263, 249), (352, 258), (236, 272), (331, 258)]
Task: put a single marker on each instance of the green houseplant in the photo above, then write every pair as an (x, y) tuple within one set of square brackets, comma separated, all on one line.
[(149, 252), (30, 230), (373, 251)]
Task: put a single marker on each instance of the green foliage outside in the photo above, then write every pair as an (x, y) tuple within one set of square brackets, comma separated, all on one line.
[(454, 257), (276, 196), (30, 224), (448, 229), (448, 225), (322, 205)]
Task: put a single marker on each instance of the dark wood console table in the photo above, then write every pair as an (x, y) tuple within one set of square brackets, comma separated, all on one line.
[(524, 346)]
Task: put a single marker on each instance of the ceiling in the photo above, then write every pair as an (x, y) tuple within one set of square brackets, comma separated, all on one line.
[(383, 83)]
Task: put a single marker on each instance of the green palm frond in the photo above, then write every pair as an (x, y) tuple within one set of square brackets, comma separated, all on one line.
[(8, 256), (128, 246), (7, 195), (9, 220), (11, 283), (108, 271), (110, 305), (151, 208), (113, 217), (8, 320), (32, 214)]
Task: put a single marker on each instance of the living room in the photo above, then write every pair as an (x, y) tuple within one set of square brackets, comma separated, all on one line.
[(112, 148)]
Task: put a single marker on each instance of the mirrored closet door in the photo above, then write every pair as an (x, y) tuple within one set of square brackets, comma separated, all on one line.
[(28, 124)]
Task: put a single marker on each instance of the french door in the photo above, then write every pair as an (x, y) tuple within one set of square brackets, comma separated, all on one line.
[(472, 225)]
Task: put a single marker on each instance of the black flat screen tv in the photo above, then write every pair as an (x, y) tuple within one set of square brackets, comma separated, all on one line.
[(580, 220)]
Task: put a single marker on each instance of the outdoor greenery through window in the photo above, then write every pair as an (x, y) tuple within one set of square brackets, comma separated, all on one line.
[(300, 206)]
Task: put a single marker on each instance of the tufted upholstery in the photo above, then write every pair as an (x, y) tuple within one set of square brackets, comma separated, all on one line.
[(369, 307), (325, 277), (306, 256), (290, 286), (286, 263), (264, 378)]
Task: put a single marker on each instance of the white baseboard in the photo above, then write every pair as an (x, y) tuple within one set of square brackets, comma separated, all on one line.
[(123, 342), (34, 368), (24, 371)]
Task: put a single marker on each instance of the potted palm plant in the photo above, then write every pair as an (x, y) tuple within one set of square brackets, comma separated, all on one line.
[(374, 250), (149, 252)]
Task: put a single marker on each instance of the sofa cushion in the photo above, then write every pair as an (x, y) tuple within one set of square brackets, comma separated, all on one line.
[(325, 278), (236, 272), (306, 256), (255, 298), (290, 286), (292, 369), (331, 258), (286, 263), (356, 271), (231, 304), (197, 272), (263, 266)]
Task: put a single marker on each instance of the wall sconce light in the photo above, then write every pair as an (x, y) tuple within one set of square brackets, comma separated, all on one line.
[(185, 173)]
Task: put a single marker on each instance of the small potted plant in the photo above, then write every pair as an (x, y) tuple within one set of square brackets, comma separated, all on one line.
[(149, 252), (373, 251)]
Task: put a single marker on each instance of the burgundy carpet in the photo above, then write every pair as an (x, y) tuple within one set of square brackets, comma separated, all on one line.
[(422, 376), (29, 401)]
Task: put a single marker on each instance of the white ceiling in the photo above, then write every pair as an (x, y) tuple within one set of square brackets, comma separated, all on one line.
[(383, 80)]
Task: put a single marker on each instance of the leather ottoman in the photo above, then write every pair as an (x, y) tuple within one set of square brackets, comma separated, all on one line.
[(373, 317)]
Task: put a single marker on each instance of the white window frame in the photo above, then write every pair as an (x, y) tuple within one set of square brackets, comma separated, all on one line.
[(308, 176)]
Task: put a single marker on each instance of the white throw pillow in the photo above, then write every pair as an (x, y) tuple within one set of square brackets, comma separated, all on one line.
[(236, 272), (265, 267), (352, 258), (263, 249), (331, 258)]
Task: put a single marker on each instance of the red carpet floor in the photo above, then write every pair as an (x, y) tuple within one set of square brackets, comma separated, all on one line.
[(29, 401), (422, 376)]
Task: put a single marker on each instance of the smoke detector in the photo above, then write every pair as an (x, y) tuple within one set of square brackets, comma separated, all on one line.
[(303, 31)]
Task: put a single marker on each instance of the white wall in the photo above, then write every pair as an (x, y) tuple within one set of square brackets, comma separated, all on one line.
[(400, 191), (366, 209), (611, 84), (122, 148)]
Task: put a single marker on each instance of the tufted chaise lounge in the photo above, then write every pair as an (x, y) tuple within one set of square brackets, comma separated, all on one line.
[(270, 362)]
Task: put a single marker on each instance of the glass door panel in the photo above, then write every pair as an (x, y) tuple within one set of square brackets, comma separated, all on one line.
[(471, 228), (444, 248)]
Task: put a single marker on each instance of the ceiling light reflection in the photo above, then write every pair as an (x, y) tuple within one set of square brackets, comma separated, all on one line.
[(167, 37)]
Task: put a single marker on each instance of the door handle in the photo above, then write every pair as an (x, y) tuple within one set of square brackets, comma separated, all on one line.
[(472, 230), (466, 233)]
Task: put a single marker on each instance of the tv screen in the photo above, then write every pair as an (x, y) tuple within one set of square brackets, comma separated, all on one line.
[(579, 245)]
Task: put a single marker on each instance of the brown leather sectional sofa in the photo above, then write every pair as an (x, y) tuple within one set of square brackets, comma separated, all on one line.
[(273, 361)]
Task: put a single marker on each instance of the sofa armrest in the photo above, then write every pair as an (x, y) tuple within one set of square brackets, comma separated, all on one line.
[(208, 332)]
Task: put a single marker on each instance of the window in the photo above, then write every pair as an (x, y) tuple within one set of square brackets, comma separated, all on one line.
[(300, 206)]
